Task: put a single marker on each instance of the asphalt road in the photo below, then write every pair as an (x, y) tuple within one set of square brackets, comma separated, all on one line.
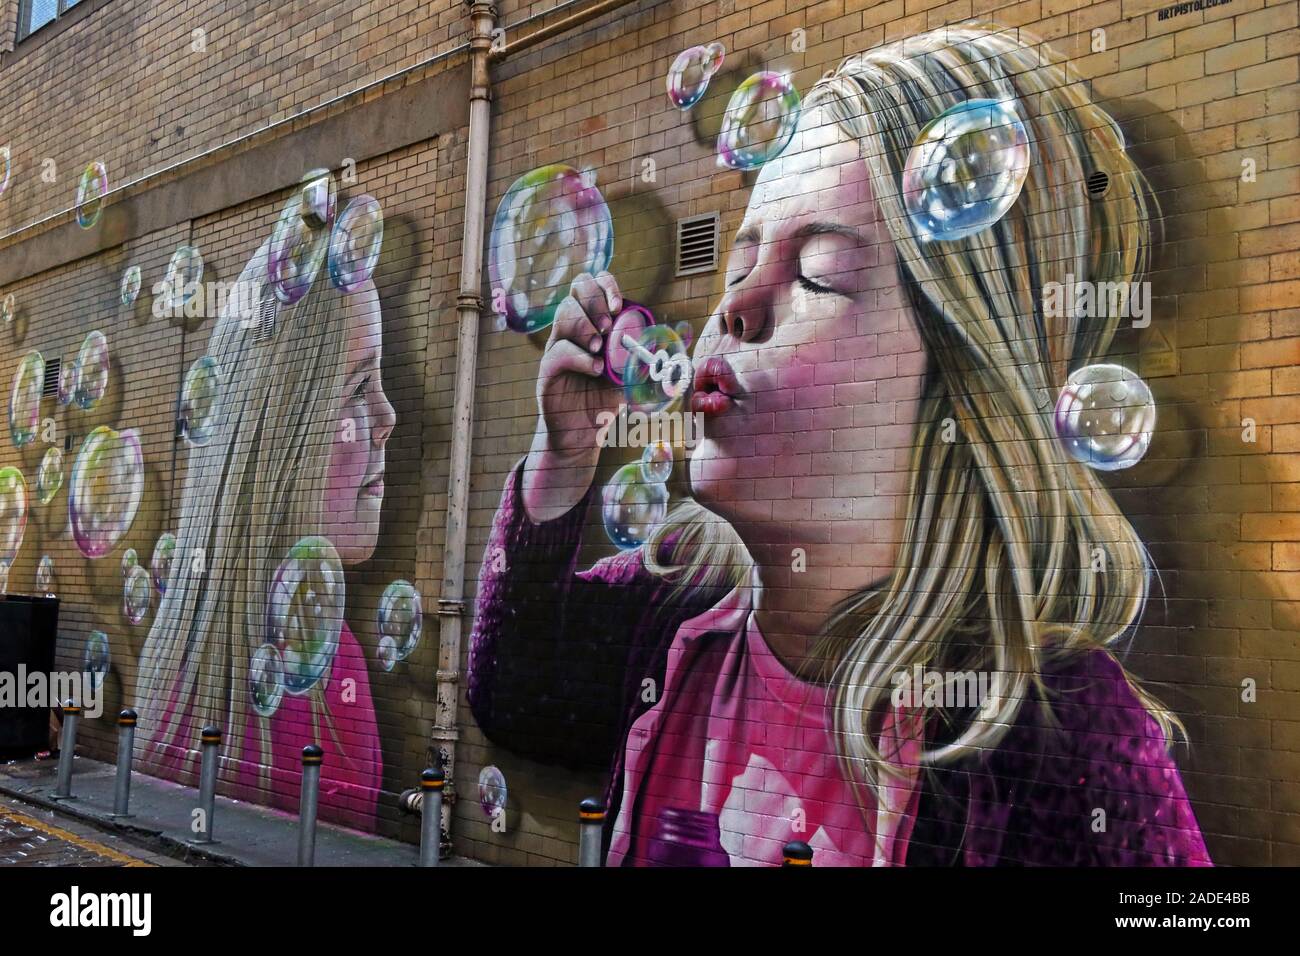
[(30, 836)]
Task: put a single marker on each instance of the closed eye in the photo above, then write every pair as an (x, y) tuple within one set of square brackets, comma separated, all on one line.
[(362, 387), (814, 288)]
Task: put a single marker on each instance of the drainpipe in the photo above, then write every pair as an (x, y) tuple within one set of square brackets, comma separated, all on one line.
[(469, 305), (469, 308)]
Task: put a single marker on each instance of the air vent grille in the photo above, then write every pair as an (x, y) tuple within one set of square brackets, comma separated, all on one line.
[(697, 244), (53, 368), (1098, 184)]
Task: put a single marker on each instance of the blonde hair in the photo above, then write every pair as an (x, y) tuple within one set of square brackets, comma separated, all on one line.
[(250, 493), (1002, 528)]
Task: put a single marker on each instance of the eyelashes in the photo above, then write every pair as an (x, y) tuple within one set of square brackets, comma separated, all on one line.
[(808, 285), (362, 388)]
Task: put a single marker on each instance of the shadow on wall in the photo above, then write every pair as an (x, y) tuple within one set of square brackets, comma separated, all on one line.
[(1187, 500)]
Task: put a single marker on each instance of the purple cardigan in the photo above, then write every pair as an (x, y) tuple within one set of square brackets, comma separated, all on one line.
[(558, 656)]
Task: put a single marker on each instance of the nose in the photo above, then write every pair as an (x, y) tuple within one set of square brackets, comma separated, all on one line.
[(744, 313), (385, 418)]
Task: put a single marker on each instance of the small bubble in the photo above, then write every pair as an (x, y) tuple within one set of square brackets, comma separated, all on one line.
[(91, 190), (760, 120)]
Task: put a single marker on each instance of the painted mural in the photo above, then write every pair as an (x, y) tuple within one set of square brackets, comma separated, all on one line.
[(868, 591)]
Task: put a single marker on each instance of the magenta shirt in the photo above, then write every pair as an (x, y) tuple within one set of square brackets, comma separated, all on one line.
[(737, 737)]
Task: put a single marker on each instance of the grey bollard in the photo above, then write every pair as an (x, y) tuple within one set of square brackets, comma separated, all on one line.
[(591, 823), (63, 786), (311, 760), (797, 853), (125, 750), (211, 741), (431, 784)]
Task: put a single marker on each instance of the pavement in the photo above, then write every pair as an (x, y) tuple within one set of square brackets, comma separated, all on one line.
[(246, 834)]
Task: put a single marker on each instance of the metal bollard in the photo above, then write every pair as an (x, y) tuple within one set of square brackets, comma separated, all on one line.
[(311, 759), (797, 853), (591, 817), (211, 740), (125, 750), (63, 787), (431, 783)]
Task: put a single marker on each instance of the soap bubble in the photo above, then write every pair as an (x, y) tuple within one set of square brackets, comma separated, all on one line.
[(92, 370), (129, 560), (25, 399), (200, 396), (685, 332), (1105, 416), (492, 791), (49, 475), (45, 575), (296, 252), (97, 658), (401, 616), (13, 512), (657, 462), (90, 194), (67, 381), (760, 120), (266, 679), (387, 653), (550, 227), (8, 308), (690, 73), (160, 564), (183, 278), (6, 165), (355, 242), (130, 287), (137, 594), (305, 611), (657, 372), (965, 169), (105, 489), (632, 506)]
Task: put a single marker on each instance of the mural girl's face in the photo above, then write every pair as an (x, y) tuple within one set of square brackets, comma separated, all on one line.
[(810, 370), (354, 491)]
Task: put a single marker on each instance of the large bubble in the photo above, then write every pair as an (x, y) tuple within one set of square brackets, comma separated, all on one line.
[(97, 658), (13, 512), (760, 120), (1105, 416), (137, 594), (130, 286), (91, 190), (104, 493), (67, 382), (266, 679), (93, 362), (184, 276), (658, 370), (49, 475), (550, 227), (160, 563), (492, 791), (200, 398), (45, 575), (304, 611), (296, 252), (25, 399), (401, 616), (355, 241), (965, 169), (690, 73), (632, 507)]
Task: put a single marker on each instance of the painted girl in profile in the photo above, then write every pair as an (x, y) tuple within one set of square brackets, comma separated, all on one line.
[(286, 493), (880, 490)]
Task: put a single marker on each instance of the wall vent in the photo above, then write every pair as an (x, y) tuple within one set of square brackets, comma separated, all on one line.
[(1098, 184), (697, 244), (50, 387)]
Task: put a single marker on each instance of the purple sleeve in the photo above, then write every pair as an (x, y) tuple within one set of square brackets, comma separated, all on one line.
[(549, 653), (1093, 785)]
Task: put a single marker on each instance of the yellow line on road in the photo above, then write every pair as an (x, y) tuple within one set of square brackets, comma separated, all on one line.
[(61, 834)]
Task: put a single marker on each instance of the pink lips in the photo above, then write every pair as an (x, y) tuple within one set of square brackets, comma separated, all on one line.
[(374, 488), (716, 387)]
